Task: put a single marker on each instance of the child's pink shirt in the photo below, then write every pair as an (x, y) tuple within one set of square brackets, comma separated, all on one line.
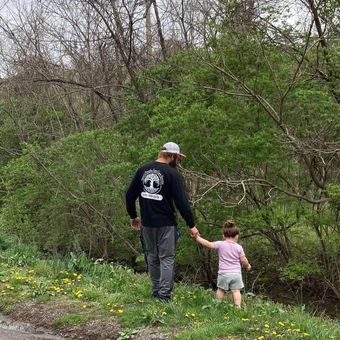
[(229, 254)]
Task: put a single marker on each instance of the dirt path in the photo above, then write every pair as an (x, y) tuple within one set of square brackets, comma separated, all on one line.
[(30, 320), (14, 330)]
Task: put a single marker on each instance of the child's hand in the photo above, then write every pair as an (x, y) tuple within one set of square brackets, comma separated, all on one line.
[(249, 268)]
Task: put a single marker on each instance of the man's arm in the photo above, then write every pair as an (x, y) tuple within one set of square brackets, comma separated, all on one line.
[(131, 196), (181, 201), (205, 242)]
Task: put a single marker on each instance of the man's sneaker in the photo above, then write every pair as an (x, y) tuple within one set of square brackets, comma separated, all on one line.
[(164, 299)]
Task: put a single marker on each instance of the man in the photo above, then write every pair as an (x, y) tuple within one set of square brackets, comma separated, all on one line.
[(158, 186)]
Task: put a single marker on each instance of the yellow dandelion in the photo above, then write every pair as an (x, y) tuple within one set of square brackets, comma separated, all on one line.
[(190, 315), (260, 337), (274, 332), (305, 334), (266, 325), (79, 294), (244, 319), (120, 311), (281, 323), (84, 306), (198, 323)]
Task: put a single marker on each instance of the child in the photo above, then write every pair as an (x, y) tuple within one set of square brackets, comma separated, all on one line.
[(231, 257)]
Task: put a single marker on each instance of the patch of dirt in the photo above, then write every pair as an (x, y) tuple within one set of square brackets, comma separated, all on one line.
[(152, 333), (44, 314), (103, 328), (96, 328), (41, 314)]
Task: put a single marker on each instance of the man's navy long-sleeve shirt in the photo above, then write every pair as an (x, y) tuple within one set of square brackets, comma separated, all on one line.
[(158, 187)]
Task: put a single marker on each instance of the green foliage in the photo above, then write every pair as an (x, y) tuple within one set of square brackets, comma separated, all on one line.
[(17, 254), (66, 195), (127, 334), (297, 271), (69, 196), (6, 241), (333, 191)]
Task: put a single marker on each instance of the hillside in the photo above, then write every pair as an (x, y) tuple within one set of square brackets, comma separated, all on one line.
[(83, 300)]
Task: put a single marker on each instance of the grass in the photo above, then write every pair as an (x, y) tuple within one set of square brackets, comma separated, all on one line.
[(103, 290)]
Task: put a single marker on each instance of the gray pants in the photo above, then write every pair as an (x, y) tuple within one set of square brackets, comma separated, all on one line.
[(160, 248)]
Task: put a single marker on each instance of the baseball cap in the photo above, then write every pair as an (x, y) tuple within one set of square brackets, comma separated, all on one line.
[(172, 147)]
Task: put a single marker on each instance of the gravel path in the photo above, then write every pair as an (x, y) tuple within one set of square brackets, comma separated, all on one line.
[(14, 330)]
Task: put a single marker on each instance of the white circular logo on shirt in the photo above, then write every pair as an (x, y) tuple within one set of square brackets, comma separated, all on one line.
[(152, 181)]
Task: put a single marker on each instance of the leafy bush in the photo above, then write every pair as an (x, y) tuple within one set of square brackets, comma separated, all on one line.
[(69, 196)]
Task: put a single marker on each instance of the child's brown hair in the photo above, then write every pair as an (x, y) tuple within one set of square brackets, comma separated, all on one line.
[(230, 229)]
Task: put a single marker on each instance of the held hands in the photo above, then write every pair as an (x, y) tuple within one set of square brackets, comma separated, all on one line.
[(135, 223), (194, 233)]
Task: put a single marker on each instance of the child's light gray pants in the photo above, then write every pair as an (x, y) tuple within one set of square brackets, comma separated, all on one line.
[(160, 247)]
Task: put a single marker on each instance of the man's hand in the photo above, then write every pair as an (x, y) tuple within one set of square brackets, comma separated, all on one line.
[(135, 223), (194, 232)]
